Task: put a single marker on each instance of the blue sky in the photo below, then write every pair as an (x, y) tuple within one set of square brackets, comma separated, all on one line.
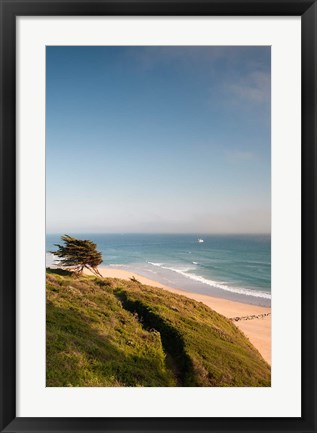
[(158, 139)]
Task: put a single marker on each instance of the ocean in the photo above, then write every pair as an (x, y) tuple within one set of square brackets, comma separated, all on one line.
[(236, 267)]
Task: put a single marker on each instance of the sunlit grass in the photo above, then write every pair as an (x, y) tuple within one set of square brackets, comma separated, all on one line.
[(110, 332)]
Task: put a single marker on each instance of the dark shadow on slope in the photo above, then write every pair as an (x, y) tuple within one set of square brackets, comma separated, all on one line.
[(177, 359), (59, 271)]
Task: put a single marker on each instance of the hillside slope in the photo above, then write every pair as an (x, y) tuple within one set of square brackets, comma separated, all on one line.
[(110, 332)]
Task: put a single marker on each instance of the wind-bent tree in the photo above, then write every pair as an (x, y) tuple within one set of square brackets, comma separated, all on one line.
[(78, 254)]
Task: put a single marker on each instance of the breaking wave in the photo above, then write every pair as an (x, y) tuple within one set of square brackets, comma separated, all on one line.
[(219, 285)]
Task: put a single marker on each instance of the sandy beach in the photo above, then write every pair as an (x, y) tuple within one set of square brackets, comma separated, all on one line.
[(257, 329)]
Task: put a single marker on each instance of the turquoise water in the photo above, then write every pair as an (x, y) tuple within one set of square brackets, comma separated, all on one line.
[(234, 267)]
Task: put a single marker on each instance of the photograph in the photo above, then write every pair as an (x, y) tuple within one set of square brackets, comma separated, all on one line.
[(158, 216), (158, 241)]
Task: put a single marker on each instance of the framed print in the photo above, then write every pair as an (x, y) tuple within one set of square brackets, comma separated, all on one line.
[(158, 216)]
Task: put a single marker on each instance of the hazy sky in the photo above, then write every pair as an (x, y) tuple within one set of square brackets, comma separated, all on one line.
[(158, 139)]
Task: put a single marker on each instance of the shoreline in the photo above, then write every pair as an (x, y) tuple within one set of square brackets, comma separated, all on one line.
[(254, 321)]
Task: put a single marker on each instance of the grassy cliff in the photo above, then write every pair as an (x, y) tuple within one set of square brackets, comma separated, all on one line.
[(110, 332)]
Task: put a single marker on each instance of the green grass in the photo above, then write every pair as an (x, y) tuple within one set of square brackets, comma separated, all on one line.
[(110, 332)]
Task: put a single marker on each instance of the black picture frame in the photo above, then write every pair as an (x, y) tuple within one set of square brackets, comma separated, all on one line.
[(10, 9)]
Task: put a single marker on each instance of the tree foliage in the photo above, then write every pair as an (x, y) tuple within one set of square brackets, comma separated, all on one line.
[(78, 254)]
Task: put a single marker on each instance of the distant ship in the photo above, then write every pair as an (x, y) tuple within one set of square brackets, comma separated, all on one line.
[(200, 240)]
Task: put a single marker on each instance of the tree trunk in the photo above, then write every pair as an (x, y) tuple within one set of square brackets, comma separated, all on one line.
[(94, 271)]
